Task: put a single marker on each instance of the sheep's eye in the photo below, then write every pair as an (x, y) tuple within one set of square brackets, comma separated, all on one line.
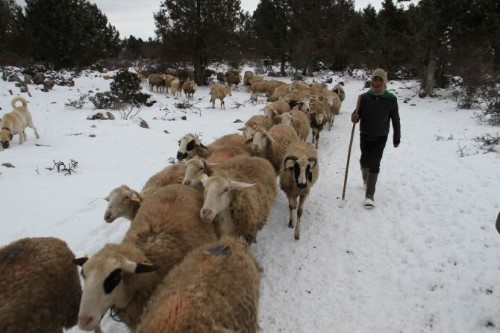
[(127, 197), (190, 145), (225, 190)]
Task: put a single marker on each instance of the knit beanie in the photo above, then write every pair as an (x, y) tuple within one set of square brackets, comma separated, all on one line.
[(379, 72)]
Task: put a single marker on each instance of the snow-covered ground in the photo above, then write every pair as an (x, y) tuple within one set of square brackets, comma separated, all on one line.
[(426, 259)]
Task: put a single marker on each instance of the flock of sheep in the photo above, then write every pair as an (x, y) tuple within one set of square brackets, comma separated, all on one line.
[(184, 265)]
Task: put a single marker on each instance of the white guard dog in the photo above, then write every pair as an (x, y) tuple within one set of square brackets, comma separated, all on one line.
[(15, 122)]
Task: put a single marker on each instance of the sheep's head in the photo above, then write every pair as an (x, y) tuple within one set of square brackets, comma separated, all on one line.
[(187, 145), (122, 202), (302, 169), (195, 168), (104, 279), (259, 139), (217, 194)]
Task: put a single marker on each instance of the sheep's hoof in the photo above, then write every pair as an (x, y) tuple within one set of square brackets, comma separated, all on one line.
[(290, 224), (297, 236)]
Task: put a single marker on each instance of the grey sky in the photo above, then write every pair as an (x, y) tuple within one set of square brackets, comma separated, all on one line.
[(132, 17)]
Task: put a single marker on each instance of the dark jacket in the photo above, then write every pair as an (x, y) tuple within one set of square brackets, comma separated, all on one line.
[(375, 113)]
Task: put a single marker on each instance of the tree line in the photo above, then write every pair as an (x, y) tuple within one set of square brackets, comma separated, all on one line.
[(433, 40)]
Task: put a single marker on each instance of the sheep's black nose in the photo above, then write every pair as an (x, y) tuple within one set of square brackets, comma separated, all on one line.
[(5, 144), (301, 186), (181, 156)]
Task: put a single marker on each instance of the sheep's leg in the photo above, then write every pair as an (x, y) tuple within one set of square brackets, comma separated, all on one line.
[(292, 204), (302, 199)]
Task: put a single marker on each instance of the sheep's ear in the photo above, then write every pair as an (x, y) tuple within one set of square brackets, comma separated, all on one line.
[(312, 162), (270, 138), (80, 261), (289, 162), (242, 129), (145, 268), (234, 185), (203, 179), (106, 198), (136, 197), (203, 146), (249, 140)]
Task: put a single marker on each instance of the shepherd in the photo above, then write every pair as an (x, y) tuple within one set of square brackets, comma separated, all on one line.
[(377, 108)]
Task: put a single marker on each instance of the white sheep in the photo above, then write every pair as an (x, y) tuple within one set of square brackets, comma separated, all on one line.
[(214, 289), (125, 202), (117, 277), (168, 78), (298, 120), (219, 91), (40, 286), (247, 79), (299, 172), (239, 196), (272, 144)]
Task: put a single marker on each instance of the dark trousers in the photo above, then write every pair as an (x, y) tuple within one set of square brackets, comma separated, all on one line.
[(372, 150)]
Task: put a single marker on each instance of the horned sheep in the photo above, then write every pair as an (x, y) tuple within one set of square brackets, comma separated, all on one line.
[(298, 173), (123, 276), (238, 196), (272, 144), (40, 286), (214, 289), (219, 91)]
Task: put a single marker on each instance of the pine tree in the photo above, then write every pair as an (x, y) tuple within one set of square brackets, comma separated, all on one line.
[(69, 32)]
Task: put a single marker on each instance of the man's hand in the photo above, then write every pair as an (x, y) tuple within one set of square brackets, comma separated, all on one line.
[(355, 117)]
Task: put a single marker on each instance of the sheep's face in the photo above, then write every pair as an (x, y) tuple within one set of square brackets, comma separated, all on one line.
[(217, 195), (187, 145), (122, 202), (259, 141), (302, 170), (194, 169), (104, 287)]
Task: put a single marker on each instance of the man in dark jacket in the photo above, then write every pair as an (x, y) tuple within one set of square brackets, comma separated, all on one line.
[(376, 108)]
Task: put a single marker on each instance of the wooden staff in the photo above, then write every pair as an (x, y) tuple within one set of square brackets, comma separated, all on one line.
[(349, 151)]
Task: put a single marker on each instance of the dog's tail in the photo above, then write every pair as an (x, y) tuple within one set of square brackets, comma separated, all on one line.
[(19, 99)]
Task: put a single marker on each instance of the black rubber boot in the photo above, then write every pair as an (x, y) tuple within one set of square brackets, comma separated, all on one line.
[(371, 182)]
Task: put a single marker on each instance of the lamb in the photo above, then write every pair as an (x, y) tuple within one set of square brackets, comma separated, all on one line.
[(40, 286), (299, 121), (240, 194), (156, 80), (298, 173), (189, 88), (214, 289), (123, 276), (219, 91), (253, 123), (125, 202), (272, 144), (339, 90)]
